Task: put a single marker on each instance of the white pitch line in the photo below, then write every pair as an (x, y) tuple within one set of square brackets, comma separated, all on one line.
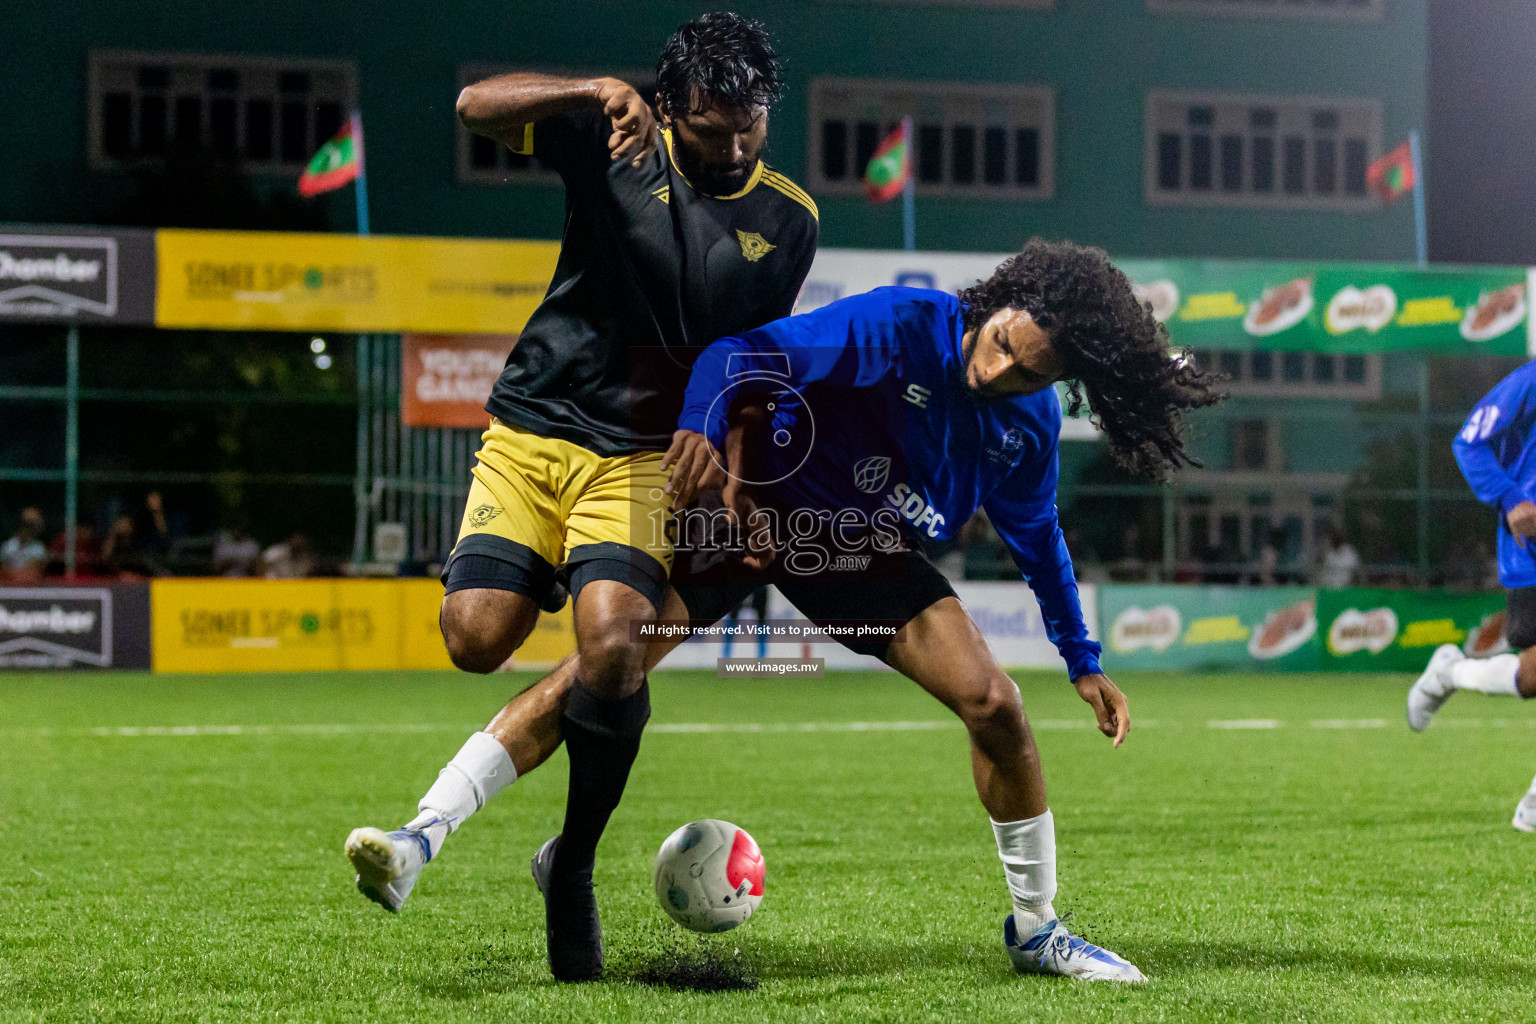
[(342, 729), (694, 728)]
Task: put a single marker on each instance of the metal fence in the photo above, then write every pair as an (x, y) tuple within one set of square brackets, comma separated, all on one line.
[(335, 455)]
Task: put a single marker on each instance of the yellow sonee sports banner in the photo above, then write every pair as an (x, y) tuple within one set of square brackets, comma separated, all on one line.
[(275, 280), (218, 625)]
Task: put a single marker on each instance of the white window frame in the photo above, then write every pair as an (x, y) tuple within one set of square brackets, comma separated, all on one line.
[(536, 175), (1369, 390), (898, 97), (1367, 107), (1311, 10), (100, 60)]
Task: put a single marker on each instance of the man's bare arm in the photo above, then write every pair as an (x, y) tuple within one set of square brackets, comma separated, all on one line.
[(499, 107)]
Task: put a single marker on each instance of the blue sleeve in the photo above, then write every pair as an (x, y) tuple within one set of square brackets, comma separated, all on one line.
[(850, 343), (1503, 408), (1023, 511)]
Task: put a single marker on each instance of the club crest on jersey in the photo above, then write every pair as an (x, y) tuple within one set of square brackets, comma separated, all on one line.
[(753, 245), (482, 514), (1011, 448), (869, 474), (664, 194)]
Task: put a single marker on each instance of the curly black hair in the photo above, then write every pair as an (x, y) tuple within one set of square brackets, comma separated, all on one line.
[(720, 57), (1113, 348)]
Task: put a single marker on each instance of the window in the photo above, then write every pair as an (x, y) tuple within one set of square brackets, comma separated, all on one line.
[(983, 141), (1254, 444), (1264, 374), (484, 161), (1341, 10), (1233, 150), (266, 113)]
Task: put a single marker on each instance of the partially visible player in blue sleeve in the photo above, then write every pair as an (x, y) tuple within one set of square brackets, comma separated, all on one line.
[(890, 418), (1496, 449), (1496, 456)]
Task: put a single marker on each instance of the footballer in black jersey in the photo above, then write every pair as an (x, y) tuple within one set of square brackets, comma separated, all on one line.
[(676, 233)]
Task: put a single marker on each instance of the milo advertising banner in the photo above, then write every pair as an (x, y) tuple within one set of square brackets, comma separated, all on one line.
[(1239, 304), (1337, 307), (1397, 630), (1172, 627)]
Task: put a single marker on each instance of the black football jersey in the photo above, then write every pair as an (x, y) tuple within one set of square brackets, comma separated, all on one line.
[(650, 272)]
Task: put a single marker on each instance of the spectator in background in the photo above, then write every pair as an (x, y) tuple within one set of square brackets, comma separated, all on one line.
[(1266, 571), (235, 552), (1340, 562), (1131, 566), (1085, 560), (87, 552), (23, 557), (288, 560), (152, 530), (120, 552)]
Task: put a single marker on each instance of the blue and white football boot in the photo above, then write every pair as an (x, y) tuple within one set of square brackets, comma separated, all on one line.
[(1434, 687), (1054, 950), (387, 863), (1525, 813)]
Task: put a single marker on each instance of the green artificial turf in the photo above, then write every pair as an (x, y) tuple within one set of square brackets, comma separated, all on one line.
[(1330, 868)]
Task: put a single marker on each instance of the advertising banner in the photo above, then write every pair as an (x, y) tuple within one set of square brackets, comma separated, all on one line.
[(83, 275), (1337, 307), (1397, 630), (446, 378), (1172, 627), (103, 626), (220, 625), (286, 281), (1242, 304)]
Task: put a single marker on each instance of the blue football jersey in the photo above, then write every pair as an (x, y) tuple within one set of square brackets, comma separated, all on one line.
[(871, 419), (1496, 450)]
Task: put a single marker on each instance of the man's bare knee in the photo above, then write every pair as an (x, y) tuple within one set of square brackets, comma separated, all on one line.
[(993, 711), (611, 664), (482, 628)]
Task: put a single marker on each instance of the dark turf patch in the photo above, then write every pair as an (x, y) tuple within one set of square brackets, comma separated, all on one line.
[(673, 959)]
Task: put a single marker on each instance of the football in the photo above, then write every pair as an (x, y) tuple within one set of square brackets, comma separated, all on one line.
[(709, 876)]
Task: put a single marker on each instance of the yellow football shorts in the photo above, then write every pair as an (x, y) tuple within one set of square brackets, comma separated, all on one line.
[(539, 503)]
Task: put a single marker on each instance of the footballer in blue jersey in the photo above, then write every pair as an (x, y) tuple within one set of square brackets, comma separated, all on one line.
[(1496, 450), (846, 441)]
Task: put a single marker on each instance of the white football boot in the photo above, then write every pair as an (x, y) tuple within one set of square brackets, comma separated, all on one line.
[(1433, 688), (387, 863), (1054, 950), (1525, 813)]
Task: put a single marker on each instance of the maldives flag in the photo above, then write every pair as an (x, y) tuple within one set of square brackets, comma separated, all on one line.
[(889, 168), (1392, 175), (337, 162)]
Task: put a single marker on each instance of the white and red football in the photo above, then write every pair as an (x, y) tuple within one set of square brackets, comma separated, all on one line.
[(709, 875)]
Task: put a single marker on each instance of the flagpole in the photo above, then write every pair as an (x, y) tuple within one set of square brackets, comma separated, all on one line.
[(908, 190), (361, 185), (1418, 199)]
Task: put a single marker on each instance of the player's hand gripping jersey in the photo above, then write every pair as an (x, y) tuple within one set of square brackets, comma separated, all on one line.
[(650, 272), (1498, 459), (871, 417)]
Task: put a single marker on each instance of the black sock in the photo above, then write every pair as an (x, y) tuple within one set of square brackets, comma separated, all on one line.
[(602, 738)]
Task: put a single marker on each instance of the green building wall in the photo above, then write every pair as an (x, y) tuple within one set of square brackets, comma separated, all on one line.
[(1100, 56)]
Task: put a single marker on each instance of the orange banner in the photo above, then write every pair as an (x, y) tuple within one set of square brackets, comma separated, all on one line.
[(446, 378)]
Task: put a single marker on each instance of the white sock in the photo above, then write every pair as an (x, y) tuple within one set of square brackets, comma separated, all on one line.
[(481, 769), (1488, 675), (1532, 790), (1028, 851)]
